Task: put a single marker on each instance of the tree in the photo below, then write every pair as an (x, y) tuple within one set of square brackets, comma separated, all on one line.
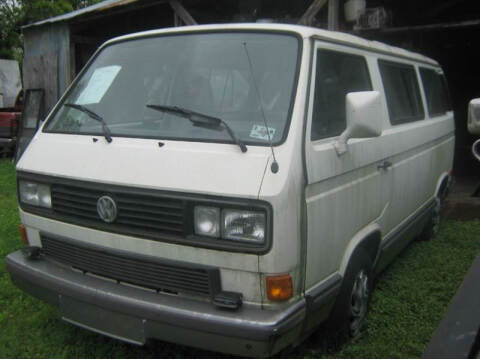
[(16, 13), (36, 10), (11, 16)]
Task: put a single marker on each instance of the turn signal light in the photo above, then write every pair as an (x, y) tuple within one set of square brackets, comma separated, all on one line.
[(279, 287), (23, 234)]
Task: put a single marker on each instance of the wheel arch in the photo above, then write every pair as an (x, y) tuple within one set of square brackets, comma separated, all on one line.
[(443, 185), (367, 239)]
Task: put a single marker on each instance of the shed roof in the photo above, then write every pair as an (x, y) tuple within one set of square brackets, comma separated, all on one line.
[(101, 6)]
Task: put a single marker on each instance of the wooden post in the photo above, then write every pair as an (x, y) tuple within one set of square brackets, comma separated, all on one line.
[(176, 20), (333, 15), (313, 9), (182, 13)]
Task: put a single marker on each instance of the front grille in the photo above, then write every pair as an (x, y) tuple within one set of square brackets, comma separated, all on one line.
[(141, 214), (147, 213), (144, 271)]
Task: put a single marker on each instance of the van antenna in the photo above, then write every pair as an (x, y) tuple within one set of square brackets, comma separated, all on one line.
[(274, 166)]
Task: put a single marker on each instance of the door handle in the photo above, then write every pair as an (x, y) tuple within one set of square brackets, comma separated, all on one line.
[(385, 165)]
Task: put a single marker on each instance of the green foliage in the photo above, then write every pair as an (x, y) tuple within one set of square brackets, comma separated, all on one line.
[(36, 10), (16, 13), (408, 303), (10, 19)]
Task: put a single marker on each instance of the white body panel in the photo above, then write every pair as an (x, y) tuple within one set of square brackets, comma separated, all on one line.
[(345, 194), (175, 166)]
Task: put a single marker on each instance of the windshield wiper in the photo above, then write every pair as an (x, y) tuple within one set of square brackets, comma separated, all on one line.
[(201, 120), (93, 115)]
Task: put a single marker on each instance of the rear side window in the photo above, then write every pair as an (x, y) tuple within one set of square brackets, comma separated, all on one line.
[(436, 92), (337, 74), (402, 92)]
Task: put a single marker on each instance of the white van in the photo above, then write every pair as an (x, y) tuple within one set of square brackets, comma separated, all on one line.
[(230, 187)]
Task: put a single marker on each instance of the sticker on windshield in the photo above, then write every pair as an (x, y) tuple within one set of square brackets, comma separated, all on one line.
[(260, 132), (98, 85)]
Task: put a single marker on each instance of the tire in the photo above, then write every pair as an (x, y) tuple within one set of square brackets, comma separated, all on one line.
[(349, 313), (433, 225)]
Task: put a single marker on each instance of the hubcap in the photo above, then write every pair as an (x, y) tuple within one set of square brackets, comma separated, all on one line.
[(359, 303)]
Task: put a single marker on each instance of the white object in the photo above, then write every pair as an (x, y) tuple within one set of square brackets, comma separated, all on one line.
[(353, 9), (372, 18), (98, 85), (316, 211), (474, 116), (10, 83)]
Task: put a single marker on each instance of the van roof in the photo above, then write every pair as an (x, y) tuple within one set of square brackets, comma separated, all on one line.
[(304, 31)]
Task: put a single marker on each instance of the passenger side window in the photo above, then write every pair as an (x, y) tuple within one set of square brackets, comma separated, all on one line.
[(436, 92), (402, 92), (337, 74)]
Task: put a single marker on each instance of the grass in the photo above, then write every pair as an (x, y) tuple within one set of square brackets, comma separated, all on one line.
[(409, 301)]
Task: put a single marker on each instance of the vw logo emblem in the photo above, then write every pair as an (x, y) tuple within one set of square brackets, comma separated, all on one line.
[(107, 209)]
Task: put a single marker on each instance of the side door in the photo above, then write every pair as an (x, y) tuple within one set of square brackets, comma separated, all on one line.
[(343, 193), (421, 148)]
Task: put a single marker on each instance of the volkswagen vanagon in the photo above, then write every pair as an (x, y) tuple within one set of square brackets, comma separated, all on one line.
[(230, 187)]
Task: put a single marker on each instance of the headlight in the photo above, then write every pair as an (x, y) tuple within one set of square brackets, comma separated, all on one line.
[(35, 194), (243, 225), (207, 221), (231, 224)]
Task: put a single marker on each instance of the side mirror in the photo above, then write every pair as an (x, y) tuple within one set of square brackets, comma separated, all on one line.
[(364, 118), (474, 116)]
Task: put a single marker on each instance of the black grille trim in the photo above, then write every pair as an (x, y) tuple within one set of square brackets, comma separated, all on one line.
[(139, 270), (136, 212)]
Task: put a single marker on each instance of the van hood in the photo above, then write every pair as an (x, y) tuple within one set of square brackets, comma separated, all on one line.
[(205, 168)]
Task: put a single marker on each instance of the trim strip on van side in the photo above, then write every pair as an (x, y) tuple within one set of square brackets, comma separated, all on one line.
[(400, 237), (318, 295), (320, 300), (397, 233)]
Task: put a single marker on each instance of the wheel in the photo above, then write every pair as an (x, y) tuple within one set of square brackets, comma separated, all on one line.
[(359, 302), (349, 313), (433, 225)]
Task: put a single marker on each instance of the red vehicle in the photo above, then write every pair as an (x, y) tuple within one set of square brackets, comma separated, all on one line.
[(10, 105), (9, 119)]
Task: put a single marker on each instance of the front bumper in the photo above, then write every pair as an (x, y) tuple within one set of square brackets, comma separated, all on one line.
[(135, 315)]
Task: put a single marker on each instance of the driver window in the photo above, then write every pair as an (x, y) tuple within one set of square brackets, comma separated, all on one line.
[(336, 75)]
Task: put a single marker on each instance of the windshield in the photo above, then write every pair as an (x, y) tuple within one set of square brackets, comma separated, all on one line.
[(208, 73)]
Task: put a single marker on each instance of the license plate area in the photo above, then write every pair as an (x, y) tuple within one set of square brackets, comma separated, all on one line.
[(113, 324)]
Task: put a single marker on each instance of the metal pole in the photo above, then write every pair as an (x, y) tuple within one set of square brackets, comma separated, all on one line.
[(333, 15)]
